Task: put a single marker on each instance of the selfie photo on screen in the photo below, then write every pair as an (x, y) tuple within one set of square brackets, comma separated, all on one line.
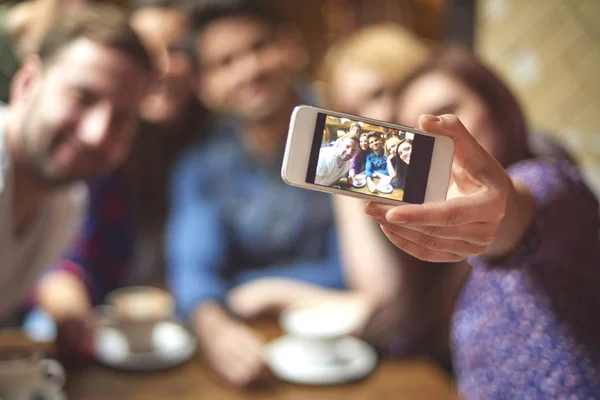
[(364, 158)]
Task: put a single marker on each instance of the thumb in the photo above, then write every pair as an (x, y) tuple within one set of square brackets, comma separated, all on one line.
[(467, 152)]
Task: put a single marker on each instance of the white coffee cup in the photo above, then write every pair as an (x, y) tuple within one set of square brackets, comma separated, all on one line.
[(135, 311), (319, 329), (25, 374)]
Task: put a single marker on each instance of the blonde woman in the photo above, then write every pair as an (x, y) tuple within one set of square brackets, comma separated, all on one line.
[(415, 297)]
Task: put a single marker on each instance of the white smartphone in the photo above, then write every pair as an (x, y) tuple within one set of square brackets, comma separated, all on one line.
[(360, 157)]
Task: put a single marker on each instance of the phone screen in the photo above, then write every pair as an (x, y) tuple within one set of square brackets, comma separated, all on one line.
[(357, 156)]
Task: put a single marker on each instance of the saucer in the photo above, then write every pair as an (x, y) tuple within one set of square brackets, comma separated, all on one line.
[(287, 360), (385, 188), (173, 345), (359, 183)]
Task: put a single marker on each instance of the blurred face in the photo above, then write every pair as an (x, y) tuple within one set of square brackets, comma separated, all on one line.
[(354, 130), (391, 148), (364, 143), (360, 91), (71, 5), (347, 148), (404, 150), (375, 143), (163, 31), (438, 93), (244, 68), (78, 115)]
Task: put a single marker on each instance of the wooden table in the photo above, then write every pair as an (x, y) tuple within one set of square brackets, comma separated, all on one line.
[(414, 379), (397, 194)]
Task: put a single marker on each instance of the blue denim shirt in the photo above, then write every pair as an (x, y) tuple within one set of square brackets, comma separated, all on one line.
[(376, 164), (234, 220)]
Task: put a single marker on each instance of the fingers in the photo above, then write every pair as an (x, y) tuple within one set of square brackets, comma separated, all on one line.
[(478, 207), (435, 243), (420, 252), (241, 360), (466, 148), (479, 233)]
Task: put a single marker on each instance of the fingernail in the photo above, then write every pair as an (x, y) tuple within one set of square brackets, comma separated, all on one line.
[(432, 118), (375, 210), (397, 219)]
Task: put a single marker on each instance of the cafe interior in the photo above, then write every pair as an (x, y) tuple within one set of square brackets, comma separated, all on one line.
[(396, 327)]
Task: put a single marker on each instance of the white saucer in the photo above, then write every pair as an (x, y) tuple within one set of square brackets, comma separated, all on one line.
[(385, 188), (173, 345), (360, 183), (286, 358)]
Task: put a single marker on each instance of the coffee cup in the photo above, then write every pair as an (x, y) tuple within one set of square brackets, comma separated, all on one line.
[(319, 329), (136, 310), (25, 374)]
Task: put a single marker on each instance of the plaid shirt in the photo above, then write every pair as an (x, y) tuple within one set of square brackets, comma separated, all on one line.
[(103, 249)]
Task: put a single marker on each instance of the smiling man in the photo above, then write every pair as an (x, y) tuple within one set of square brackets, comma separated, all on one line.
[(72, 116), (335, 161)]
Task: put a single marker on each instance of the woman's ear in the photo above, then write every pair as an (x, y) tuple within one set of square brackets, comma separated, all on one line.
[(25, 79)]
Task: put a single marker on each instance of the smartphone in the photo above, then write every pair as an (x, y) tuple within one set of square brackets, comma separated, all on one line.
[(339, 153)]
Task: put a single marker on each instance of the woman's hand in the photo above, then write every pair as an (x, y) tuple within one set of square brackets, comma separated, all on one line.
[(468, 221)]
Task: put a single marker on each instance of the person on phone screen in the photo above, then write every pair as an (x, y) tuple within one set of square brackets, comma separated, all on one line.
[(355, 129), (360, 158), (398, 160), (525, 325), (335, 161), (376, 162)]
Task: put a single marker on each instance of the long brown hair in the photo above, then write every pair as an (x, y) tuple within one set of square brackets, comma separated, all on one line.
[(505, 111)]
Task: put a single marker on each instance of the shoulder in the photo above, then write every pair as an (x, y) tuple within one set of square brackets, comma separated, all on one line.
[(550, 179)]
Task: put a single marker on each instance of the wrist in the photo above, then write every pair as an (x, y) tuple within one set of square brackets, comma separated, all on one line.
[(518, 216), (210, 319)]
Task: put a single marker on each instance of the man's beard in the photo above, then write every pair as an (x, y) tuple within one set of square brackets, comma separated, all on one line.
[(266, 112), (36, 158), (270, 109)]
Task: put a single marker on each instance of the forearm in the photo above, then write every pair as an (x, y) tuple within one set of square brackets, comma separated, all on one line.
[(518, 217), (63, 295), (209, 318)]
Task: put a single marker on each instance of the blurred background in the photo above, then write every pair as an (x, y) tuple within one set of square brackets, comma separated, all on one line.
[(547, 50)]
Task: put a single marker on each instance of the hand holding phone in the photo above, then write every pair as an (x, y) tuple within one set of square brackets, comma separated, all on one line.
[(369, 159), (469, 220)]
